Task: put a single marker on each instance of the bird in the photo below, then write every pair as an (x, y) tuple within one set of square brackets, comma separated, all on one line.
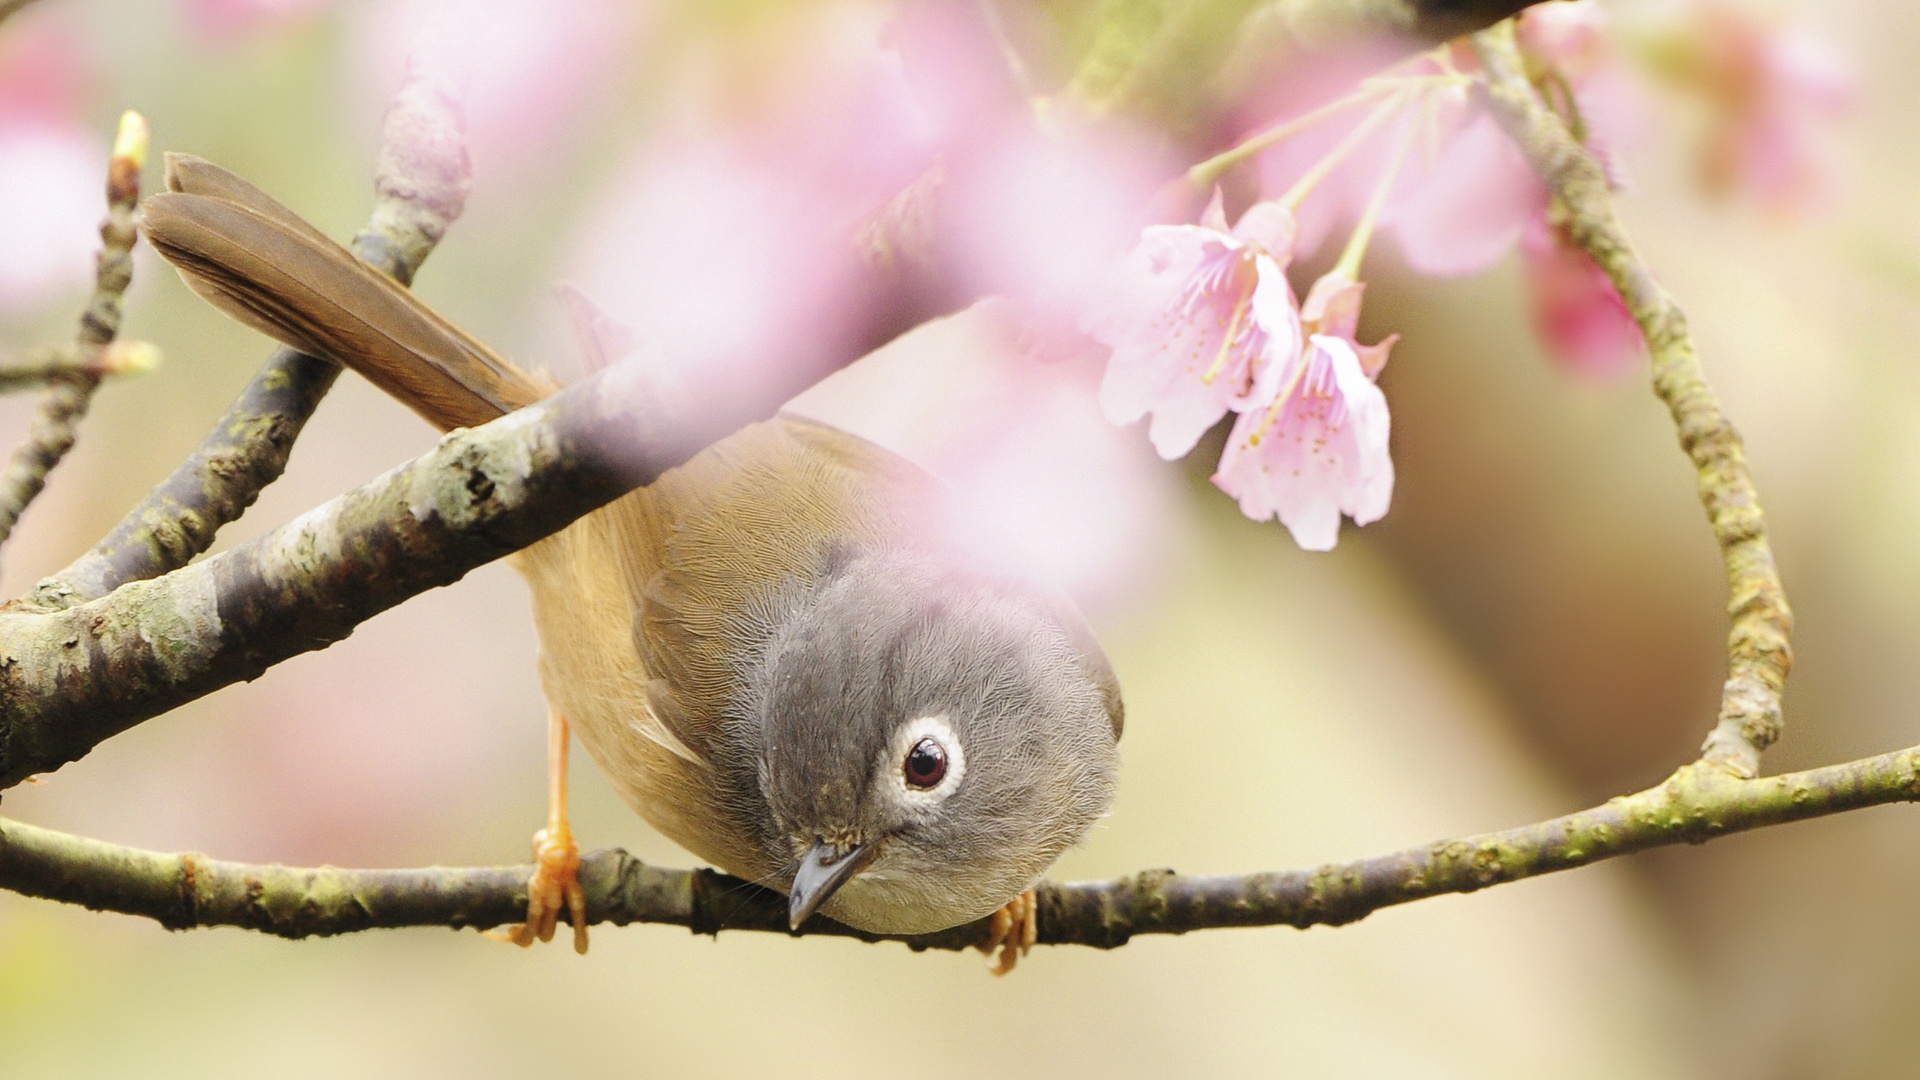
[(773, 651)]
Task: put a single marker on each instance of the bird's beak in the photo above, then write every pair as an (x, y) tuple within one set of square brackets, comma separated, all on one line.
[(822, 871)]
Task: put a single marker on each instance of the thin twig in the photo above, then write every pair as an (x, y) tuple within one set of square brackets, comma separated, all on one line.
[(1698, 803), (58, 416), (37, 367), (73, 677), (1759, 652), (420, 187)]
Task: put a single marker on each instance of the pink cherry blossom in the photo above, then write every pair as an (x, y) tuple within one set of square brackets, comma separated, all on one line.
[(1471, 205), (1468, 205), (1320, 450), (1202, 321), (1577, 312), (725, 239), (531, 74), (1298, 87), (1332, 308)]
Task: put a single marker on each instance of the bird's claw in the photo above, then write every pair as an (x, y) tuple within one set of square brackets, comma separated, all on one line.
[(554, 886), (1014, 930)]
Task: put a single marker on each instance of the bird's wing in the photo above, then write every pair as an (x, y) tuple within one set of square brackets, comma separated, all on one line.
[(716, 540)]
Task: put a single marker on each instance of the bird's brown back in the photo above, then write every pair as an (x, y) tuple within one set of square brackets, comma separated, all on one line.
[(702, 541), (646, 606)]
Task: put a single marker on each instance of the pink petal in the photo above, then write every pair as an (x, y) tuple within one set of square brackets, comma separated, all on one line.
[(1577, 312), (1138, 325), (1270, 227), (1274, 311), (1469, 209), (1373, 358), (1214, 217), (1332, 305), (1192, 336), (1181, 416), (1325, 453)]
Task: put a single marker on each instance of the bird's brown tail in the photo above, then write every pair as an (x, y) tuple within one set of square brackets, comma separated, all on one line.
[(260, 263)]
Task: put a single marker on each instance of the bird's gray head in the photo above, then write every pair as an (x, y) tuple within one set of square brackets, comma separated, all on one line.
[(928, 741)]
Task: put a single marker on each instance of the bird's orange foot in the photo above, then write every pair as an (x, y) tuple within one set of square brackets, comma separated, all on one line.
[(1015, 928), (555, 886)]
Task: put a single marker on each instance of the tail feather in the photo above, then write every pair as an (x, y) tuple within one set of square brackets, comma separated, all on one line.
[(261, 264)]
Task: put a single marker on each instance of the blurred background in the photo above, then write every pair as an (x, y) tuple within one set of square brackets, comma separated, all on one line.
[(1536, 625)]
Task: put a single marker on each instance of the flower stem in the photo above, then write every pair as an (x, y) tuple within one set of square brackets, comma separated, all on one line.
[(1349, 264), (1207, 172), (1304, 186)]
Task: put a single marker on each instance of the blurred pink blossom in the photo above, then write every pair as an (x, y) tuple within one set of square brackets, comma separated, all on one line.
[(1774, 95), (1201, 321), (729, 237), (528, 72), (52, 168), (221, 21), (1044, 486), (1298, 88), (1468, 207), (1577, 312), (1042, 212)]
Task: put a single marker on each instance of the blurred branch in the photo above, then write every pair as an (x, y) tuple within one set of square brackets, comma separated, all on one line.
[(9, 7), (1144, 52), (1759, 653), (420, 187), (1699, 802), (65, 402), (36, 367)]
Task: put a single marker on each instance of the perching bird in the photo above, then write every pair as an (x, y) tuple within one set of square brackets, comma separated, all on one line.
[(773, 651)]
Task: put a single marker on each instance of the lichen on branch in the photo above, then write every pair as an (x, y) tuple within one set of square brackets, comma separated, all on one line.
[(1699, 802), (1759, 652), (420, 185)]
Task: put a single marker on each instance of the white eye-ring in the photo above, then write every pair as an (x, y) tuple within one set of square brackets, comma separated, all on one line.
[(925, 761)]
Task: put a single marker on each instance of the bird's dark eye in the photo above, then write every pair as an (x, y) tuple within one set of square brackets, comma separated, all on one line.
[(926, 764)]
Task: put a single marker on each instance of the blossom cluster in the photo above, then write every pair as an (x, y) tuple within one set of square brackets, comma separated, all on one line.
[(1203, 320)]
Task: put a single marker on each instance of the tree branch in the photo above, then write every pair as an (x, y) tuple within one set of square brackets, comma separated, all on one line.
[(1698, 803), (420, 187), (9, 7), (74, 677), (1759, 652), (37, 367), (57, 418)]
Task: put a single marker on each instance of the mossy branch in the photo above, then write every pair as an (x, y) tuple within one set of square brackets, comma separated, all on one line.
[(1758, 649), (1698, 803), (420, 187), (73, 677)]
